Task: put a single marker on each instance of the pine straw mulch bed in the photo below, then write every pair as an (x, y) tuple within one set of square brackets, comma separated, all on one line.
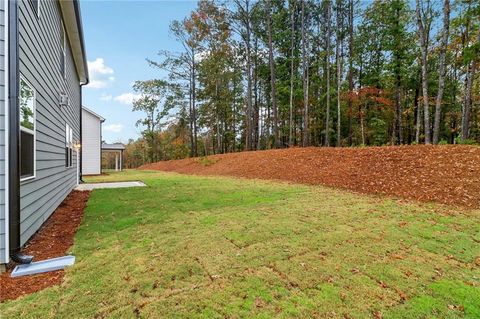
[(53, 240), (448, 174)]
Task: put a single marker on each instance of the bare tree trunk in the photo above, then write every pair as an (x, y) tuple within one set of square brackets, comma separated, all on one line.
[(219, 135), (190, 115), (194, 110), (249, 115), (338, 59), (292, 43), (272, 76), (467, 101), (453, 123), (256, 116), (424, 48), (327, 120), (350, 69), (418, 116), (362, 126), (441, 71), (306, 132), (234, 117)]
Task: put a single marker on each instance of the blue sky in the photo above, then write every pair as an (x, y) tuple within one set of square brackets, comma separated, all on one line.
[(119, 36)]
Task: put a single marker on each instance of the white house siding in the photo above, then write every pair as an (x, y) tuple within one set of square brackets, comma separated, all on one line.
[(3, 63), (39, 53), (91, 143)]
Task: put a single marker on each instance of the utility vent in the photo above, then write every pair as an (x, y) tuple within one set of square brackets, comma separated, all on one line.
[(63, 100)]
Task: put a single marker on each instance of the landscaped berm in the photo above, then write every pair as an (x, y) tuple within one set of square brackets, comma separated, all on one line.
[(221, 247)]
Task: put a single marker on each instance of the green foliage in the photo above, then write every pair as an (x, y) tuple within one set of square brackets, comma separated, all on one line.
[(223, 75), (379, 131), (459, 140)]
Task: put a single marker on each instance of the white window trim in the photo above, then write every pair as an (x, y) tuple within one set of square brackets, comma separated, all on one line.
[(33, 132)]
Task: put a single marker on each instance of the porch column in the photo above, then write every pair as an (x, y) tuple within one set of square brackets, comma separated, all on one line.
[(116, 162), (121, 160)]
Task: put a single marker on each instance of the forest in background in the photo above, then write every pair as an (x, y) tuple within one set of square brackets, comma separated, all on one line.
[(256, 75)]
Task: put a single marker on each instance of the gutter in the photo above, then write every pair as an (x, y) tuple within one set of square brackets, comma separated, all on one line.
[(14, 137), (78, 16)]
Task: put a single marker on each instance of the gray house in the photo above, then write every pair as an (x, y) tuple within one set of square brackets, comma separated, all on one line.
[(42, 70)]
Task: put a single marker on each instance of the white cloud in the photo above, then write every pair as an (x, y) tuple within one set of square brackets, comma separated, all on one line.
[(115, 128), (101, 75), (106, 97), (127, 98)]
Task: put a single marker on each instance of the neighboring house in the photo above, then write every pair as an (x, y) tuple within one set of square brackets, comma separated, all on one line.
[(42, 69), (91, 142), (115, 149)]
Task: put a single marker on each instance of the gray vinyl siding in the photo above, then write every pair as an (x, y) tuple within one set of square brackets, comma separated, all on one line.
[(3, 226), (39, 50)]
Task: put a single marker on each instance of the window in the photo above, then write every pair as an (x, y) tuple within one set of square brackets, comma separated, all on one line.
[(63, 53), (35, 6), (68, 146), (27, 130)]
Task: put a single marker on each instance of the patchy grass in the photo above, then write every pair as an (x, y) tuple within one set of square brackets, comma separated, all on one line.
[(124, 176), (209, 247), (207, 161)]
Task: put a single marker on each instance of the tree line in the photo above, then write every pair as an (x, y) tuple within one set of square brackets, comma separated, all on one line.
[(274, 73)]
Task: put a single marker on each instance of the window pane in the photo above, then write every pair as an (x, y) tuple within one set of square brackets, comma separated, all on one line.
[(63, 41), (26, 154), (62, 37), (62, 63), (34, 4), (27, 105)]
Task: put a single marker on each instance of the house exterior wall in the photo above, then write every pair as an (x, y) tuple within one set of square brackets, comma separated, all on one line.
[(39, 64), (91, 143), (3, 135)]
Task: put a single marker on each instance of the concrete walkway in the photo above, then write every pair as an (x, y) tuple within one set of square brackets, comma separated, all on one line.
[(92, 186)]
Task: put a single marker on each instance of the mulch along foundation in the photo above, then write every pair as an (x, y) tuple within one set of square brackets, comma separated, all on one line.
[(53, 240), (448, 174)]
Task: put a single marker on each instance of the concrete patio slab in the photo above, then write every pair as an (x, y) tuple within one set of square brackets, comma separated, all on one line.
[(92, 186)]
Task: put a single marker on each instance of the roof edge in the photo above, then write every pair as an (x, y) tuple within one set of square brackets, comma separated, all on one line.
[(72, 20), (112, 147), (102, 119)]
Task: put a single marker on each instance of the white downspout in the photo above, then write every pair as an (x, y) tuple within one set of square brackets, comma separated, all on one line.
[(78, 165)]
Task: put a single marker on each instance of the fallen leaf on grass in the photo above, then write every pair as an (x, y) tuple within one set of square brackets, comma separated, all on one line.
[(259, 302), (402, 295), (477, 261)]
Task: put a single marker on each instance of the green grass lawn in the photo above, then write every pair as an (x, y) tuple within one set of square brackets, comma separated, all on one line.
[(210, 247)]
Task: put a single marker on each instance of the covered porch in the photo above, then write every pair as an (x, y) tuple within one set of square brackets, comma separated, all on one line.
[(114, 150)]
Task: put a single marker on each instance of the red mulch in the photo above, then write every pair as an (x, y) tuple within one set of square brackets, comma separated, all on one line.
[(53, 240), (448, 174)]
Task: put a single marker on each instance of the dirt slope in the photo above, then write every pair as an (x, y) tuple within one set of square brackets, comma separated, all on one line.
[(446, 174)]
